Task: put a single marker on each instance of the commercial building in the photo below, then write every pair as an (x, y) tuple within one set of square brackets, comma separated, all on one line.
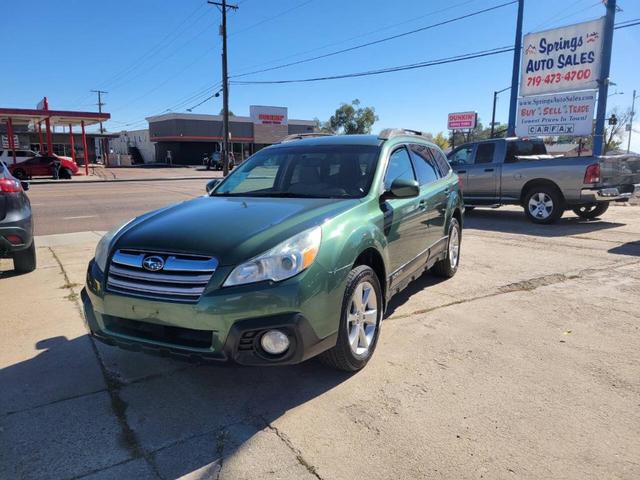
[(189, 136)]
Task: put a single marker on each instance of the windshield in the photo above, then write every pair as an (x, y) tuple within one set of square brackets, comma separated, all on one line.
[(329, 171)]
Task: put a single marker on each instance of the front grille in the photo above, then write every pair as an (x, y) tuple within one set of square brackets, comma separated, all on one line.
[(182, 337), (183, 278)]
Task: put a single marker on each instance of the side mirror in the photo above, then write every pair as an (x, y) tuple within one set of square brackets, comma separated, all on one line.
[(211, 184), (25, 186), (402, 188)]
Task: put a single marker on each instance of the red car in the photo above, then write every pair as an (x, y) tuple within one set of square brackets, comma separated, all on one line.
[(44, 166)]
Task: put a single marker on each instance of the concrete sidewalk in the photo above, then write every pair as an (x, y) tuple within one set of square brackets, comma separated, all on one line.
[(100, 173), (525, 365)]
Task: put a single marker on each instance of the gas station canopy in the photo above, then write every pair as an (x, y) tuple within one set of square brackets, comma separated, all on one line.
[(27, 116)]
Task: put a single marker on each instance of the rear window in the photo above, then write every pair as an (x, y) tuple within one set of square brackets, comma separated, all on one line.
[(524, 147)]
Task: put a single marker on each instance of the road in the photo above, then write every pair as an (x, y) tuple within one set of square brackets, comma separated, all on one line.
[(523, 366), (102, 206)]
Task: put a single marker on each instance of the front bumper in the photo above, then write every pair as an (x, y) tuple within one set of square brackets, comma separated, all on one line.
[(609, 194), (196, 333)]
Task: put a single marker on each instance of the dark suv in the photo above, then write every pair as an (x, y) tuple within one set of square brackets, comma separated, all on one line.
[(16, 227)]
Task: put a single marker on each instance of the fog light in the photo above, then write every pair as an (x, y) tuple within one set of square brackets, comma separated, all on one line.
[(275, 342)]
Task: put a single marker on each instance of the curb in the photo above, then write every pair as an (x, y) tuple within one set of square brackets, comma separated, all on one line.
[(115, 180)]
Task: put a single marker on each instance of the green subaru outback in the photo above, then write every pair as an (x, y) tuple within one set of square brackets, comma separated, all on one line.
[(295, 254)]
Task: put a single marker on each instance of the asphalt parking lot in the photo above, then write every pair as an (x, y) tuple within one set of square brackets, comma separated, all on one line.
[(525, 365)]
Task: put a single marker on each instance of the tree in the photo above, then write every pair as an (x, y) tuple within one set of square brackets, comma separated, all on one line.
[(230, 112), (614, 134), (349, 119), (441, 141)]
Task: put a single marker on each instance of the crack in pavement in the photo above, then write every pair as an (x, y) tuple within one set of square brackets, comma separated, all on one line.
[(118, 405), (520, 286), (287, 441)]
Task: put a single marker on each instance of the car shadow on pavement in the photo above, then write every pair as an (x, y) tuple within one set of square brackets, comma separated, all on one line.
[(508, 221), (168, 417), (426, 280), (629, 248)]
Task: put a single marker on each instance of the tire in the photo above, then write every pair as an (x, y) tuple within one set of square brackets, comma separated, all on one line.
[(448, 266), (20, 174), (360, 324), (24, 261), (65, 174), (590, 212), (543, 204)]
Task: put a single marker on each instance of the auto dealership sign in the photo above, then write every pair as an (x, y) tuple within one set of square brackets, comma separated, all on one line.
[(563, 59), (462, 121), (556, 114), (269, 115)]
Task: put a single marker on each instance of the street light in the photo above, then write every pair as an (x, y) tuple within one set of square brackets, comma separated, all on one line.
[(615, 93), (493, 115)]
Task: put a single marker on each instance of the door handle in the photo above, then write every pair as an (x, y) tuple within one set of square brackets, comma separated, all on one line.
[(422, 204), (488, 169), (461, 171)]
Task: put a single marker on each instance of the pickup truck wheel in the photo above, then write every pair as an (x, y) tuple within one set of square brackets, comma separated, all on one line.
[(543, 205), (448, 266), (359, 322), (589, 212), (24, 261)]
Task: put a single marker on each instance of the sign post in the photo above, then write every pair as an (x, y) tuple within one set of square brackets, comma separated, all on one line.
[(603, 78), (461, 121), (517, 48)]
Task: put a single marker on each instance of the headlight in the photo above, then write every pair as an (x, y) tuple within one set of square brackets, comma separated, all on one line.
[(102, 250), (281, 262)]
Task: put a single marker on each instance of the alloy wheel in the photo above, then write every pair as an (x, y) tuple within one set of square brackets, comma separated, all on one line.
[(362, 318), (454, 246), (540, 206)]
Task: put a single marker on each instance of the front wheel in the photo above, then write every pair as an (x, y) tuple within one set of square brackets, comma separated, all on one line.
[(65, 174), (543, 205), (359, 322), (448, 266), (20, 174), (589, 212)]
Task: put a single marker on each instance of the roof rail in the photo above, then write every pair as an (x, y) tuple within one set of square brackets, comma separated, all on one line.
[(300, 136), (388, 133)]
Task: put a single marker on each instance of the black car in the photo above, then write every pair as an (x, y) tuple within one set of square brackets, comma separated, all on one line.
[(16, 226)]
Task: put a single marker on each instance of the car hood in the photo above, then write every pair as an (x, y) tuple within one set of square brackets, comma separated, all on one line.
[(232, 229)]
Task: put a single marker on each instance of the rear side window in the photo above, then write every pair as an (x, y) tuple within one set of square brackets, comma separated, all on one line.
[(399, 167), (441, 161), (426, 169), (524, 147), (484, 152)]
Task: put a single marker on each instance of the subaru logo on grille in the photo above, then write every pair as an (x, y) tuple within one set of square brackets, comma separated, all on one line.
[(153, 263)]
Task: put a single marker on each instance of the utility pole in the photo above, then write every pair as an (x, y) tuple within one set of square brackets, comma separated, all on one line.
[(515, 74), (102, 142), (633, 112), (225, 84), (603, 81), (100, 104)]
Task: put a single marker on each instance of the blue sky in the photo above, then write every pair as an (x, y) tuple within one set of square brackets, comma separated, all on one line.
[(151, 55)]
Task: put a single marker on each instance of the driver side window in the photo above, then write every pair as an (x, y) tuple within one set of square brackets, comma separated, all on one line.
[(462, 156), (399, 167)]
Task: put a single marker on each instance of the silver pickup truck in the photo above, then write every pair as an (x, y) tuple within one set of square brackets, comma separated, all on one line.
[(514, 171)]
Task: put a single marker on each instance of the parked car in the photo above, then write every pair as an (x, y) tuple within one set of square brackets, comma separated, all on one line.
[(295, 254), (517, 171), (44, 166), (22, 155), (16, 226)]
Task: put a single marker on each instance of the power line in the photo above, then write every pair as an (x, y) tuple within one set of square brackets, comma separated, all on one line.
[(278, 15), (366, 34), (155, 49), (375, 42), (627, 24), (412, 66)]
